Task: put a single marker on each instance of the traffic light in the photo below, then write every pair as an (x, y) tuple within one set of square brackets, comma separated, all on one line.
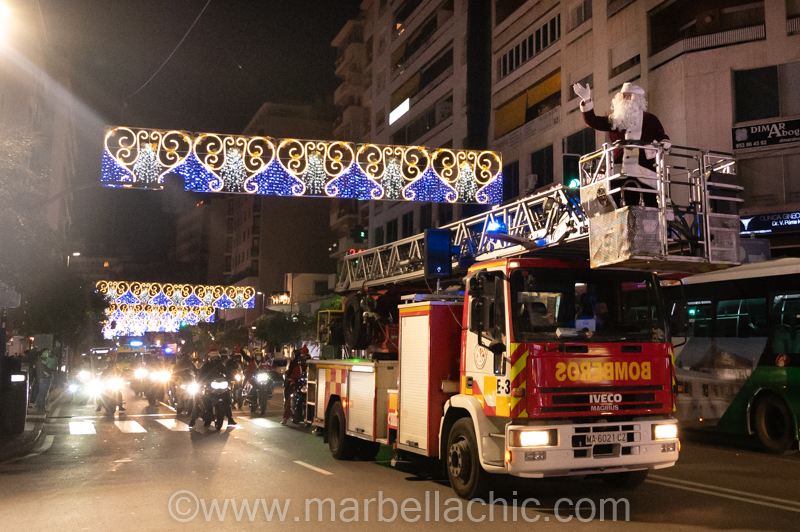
[(572, 170), (358, 234)]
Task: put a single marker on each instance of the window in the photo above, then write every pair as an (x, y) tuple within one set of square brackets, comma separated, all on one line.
[(581, 143), (511, 181), (425, 217), (524, 50), (542, 165), (756, 94), (538, 99), (229, 244), (377, 237), (391, 231), (254, 266), (230, 207), (579, 13), (320, 288), (255, 249), (435, 115), (588, 80), (741, 318), (408, 224), (624, 66), (257, 225), (230, 225), (227, 263), (504, 8)]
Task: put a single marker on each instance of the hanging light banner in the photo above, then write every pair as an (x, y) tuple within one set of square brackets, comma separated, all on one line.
[(134, 157), (136, 308)]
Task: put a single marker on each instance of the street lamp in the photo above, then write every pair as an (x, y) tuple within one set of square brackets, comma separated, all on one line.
[(5, 20)]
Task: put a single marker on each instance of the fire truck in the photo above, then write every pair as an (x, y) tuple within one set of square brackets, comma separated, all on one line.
[(530, 340)]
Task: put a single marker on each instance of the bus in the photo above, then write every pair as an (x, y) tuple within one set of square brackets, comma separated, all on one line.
[(737, 351)]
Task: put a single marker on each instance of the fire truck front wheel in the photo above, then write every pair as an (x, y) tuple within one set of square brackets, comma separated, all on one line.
[(342, 446), (467, 478)]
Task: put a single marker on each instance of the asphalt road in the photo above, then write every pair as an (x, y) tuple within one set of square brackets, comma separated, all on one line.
[(146, 471)]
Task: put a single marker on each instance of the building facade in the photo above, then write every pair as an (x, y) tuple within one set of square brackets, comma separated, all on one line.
[(420, 55), (718, 74)]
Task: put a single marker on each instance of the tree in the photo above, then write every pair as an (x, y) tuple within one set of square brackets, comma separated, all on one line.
[(58, 302), (233, 337), (196, 339), (25, 237), (283, 328), (233, 173)]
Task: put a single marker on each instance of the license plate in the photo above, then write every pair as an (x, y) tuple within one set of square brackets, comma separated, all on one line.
[(606, 437)]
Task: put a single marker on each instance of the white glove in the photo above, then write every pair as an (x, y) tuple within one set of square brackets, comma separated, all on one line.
[(585, 93)]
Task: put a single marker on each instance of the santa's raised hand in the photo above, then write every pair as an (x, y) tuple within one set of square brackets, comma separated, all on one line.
[(585, 93)]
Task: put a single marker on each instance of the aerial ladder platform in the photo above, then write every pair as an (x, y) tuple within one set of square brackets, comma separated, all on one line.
[(683, 218)]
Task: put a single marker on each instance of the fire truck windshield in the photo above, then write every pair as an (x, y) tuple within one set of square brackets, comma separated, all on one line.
[(566, 305)]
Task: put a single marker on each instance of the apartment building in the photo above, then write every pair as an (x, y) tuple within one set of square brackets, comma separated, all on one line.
[(720, 75), (419, 55)]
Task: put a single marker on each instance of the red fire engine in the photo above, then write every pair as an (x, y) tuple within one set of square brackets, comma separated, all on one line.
[(529, 362)]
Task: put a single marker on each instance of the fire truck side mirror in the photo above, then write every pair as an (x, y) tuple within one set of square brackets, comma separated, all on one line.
[(476, 315)]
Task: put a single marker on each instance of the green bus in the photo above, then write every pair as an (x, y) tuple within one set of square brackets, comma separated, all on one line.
[(737, 351)]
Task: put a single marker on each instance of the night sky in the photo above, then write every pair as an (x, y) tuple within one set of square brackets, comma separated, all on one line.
[(240, 54)]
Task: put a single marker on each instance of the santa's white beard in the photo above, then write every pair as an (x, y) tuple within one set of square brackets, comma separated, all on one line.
[(627, 114)]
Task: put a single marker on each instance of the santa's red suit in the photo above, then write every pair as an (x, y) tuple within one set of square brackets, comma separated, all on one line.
[(652, 130)]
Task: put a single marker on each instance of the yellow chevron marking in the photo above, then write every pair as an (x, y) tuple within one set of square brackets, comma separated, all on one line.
[(519, 365)]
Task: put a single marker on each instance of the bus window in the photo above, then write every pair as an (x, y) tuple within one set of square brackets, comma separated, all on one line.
[(741, 318), (700, 313), (785, 335)]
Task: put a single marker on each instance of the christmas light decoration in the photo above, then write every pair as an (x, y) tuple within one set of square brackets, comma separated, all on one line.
[(315, 175), (393, 180), (233, 173), (135, 308), (288, 167), (465, 186)]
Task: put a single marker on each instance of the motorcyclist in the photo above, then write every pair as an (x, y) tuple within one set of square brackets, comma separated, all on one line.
[(108, 371), (293, 375), (183, 372), (214, 368)]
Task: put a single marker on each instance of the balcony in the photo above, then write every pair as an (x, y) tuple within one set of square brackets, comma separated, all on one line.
[(704, 42)]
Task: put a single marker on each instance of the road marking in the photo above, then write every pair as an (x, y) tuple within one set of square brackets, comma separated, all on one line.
[(129, 426), (318, 470), (174, 424), (165, 404), (261, 422), (46, 444), (727, 490), (123, 461), (724, 496), (81, 427)]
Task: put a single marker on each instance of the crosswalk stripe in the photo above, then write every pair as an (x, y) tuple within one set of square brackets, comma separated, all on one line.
[(261, 422), (81, 427), (129, 426), (174, 424)]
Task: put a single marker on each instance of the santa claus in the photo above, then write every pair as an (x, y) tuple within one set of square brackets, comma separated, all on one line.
[(629, 121)]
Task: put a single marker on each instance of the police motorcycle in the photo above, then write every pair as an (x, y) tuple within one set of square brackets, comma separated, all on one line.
[(77, 385), (258, 391), (156, 386), (237, 389)]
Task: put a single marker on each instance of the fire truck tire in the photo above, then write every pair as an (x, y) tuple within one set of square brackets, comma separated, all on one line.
[(355, 330), (467, 478), (626, 480), (342, 446), (368, 450), (773, 424)]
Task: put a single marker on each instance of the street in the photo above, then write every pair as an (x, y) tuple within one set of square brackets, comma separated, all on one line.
[(92, 472)]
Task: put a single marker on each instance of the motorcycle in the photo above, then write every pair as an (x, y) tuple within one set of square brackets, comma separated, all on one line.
[(186, 397), (299, 402), (216, 395), (237, 387), (77, 386), (107, 392), (139, 381), (156, 386), (259, 391)]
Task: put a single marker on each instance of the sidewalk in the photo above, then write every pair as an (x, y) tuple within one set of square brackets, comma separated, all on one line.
[(21, 444)]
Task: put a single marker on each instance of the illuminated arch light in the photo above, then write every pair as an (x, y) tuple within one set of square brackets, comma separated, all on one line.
[(290, 167)]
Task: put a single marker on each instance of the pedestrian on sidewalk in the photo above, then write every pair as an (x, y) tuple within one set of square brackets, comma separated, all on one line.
[(46, 368)]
